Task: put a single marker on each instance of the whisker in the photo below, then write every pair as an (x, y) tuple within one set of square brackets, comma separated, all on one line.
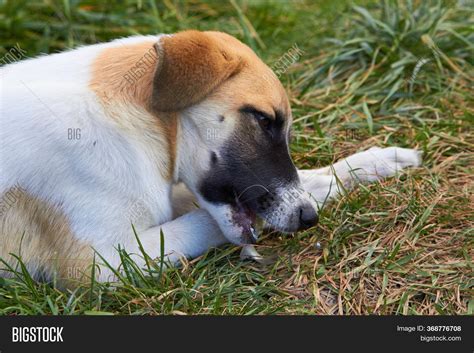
[(251, 186)]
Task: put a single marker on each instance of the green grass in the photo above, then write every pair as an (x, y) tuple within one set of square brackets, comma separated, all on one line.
[(372, 74)]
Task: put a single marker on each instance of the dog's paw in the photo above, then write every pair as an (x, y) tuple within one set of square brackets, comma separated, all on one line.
[(399, 157), (377, 163)]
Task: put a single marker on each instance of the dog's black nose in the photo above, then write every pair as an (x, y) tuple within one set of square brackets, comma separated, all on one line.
[(308, 217)]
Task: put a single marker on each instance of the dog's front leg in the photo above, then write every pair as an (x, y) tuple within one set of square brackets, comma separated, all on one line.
[(189, 235), (367, 166)]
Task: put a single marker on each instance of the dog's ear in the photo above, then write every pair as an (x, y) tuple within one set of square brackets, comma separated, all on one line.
[(190, 65)]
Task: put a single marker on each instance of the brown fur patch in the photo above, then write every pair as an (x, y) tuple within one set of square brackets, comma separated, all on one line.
[(125, 73), (192, 64), (40, 234), (255, 84), (169, 124)]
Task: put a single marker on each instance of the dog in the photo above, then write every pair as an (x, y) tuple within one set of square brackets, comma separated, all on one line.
[(183, 136)]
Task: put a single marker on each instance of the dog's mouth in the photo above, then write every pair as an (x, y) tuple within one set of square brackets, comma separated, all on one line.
[(245, 218)]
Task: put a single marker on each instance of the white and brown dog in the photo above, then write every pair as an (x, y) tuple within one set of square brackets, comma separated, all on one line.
[(140, 130)]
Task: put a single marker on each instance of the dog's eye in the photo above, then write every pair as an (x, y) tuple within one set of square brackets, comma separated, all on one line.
[(264, 122)]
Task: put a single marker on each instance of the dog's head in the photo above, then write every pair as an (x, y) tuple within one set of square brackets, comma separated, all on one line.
[(234, 126)]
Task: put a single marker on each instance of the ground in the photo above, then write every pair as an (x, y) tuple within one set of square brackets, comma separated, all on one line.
[(370, 74)]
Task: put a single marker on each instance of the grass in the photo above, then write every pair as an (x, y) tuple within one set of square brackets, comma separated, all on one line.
[(372, 73)]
